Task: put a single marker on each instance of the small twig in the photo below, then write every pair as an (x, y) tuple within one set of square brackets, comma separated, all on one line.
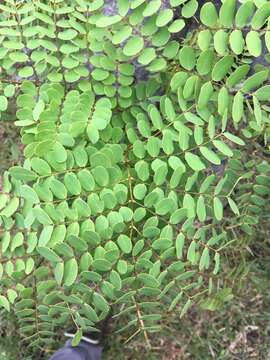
[(132, 336), (139, 315), (72, 317)]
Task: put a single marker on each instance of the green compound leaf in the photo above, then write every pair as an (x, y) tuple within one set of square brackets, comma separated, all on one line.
[(11, 207), (106, 21), (102, 265), (58, 189), (179, 245), (191, 254), (267, 40), (221, 42), (70, 272), (115, 279), (235, 139), (40, 166), (133, 46), (237, 75), (194, 162), (17, 241), (233, 206), (227, 13), (20, 173), (263, 93), (243, 14), (147, 56), (48, 254), (204, 62), (59, 272), (101, 176), (237, 42), (42, 216), (223, 148), (176, 26), (238, 107), (151, 8), (260, 17), (204, 39), (12, 295), (254, 44), (217, 263), (29, 194), (4, 303), (187, 57), (178, 216), (122, 35), (222, 67), (208, 15), (218, 208), (201, 209), (257, 111), (189, 9), (3, 103), (148, 280), (164, 206), (164, 17), (210, 155), (100, 302), (72, 184), (255, 81), (125, 244), (204, 260), (205, 95)]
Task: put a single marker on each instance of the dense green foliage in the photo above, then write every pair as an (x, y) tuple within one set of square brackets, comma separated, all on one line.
[(131, 189)]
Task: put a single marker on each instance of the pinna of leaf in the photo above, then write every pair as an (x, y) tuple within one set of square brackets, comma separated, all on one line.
[(140, 148)]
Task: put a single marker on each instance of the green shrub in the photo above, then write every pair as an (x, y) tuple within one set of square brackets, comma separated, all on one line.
[(132, 189)]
